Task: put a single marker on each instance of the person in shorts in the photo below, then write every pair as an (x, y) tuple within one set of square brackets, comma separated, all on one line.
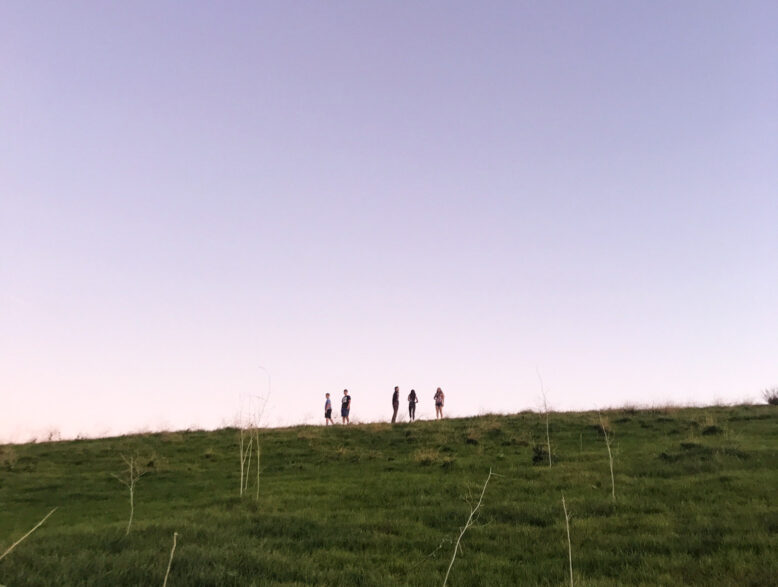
[(345, 406), (439, 398), (413, 399), (328, 411)]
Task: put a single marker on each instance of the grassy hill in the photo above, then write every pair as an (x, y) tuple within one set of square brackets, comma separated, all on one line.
[(696, 496)]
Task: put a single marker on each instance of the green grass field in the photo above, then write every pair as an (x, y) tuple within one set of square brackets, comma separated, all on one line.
[(696, 497)]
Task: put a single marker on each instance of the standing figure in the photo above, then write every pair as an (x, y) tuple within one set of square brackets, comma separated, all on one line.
[(412, 401), (328, 411), (439, 398), (345, 406), (395, 403)]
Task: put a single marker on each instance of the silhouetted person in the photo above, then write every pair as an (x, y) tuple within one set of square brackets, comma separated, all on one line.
[(395, 403), (345, 406), (328, 411), (439, 398), (412, 401)]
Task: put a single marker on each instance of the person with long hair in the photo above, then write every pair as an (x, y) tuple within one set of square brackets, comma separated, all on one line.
[(439, 398), (413, 399)]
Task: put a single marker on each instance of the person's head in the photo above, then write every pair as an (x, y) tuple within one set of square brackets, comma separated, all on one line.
[(396, 388), (345, 392), (327, 394), (440, 390), (413, 392)]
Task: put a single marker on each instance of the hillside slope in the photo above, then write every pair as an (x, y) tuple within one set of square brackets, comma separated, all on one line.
[(383, 505)]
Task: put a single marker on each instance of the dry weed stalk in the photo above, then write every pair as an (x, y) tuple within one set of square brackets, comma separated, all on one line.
[(470, 520), (170, 562), (610, 456), (249, 441), (133, 474), (569, 545), (23, 538), (545, 411)]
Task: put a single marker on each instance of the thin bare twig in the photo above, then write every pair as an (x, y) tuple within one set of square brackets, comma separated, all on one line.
[(470, 521), (170, 562), (610, 456), (569, 546), (22, 539)]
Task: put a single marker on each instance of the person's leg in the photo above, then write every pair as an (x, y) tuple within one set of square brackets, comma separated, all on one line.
[(394, 413)]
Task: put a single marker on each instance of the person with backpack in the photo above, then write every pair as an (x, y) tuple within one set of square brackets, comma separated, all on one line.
[(345, 406), (328, 411), (439, 398), (395, 403), (412, 401)]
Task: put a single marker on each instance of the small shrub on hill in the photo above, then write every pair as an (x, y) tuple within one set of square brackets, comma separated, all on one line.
[(771, 396)]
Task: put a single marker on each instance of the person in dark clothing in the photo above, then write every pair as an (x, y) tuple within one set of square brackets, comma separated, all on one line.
[(328, 411), (412, 401), (345, 406), (395, 403)]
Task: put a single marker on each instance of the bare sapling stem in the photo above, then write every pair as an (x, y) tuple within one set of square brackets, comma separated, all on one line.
[(133, 474), (259, 453), (170, 562), (610, 456), (545, 411), (470, 520), (242, 460), (23, 538), (548, 437), (248, 463), (569, 545)]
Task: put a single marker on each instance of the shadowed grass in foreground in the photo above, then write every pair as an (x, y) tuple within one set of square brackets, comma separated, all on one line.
[(383, 505)]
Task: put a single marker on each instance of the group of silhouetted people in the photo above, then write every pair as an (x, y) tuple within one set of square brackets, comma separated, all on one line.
[(413, 399)]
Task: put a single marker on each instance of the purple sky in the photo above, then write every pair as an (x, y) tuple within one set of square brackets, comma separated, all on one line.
[(366, 195)]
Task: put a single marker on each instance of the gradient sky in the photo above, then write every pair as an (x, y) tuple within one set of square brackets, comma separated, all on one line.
[(371, 194)]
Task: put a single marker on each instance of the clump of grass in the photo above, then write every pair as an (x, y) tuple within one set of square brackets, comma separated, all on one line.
[(770, 396), (307, 434), (427, 456), (172, 437), (8, 457), (539, 454), (493, 427), (473, 436)]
